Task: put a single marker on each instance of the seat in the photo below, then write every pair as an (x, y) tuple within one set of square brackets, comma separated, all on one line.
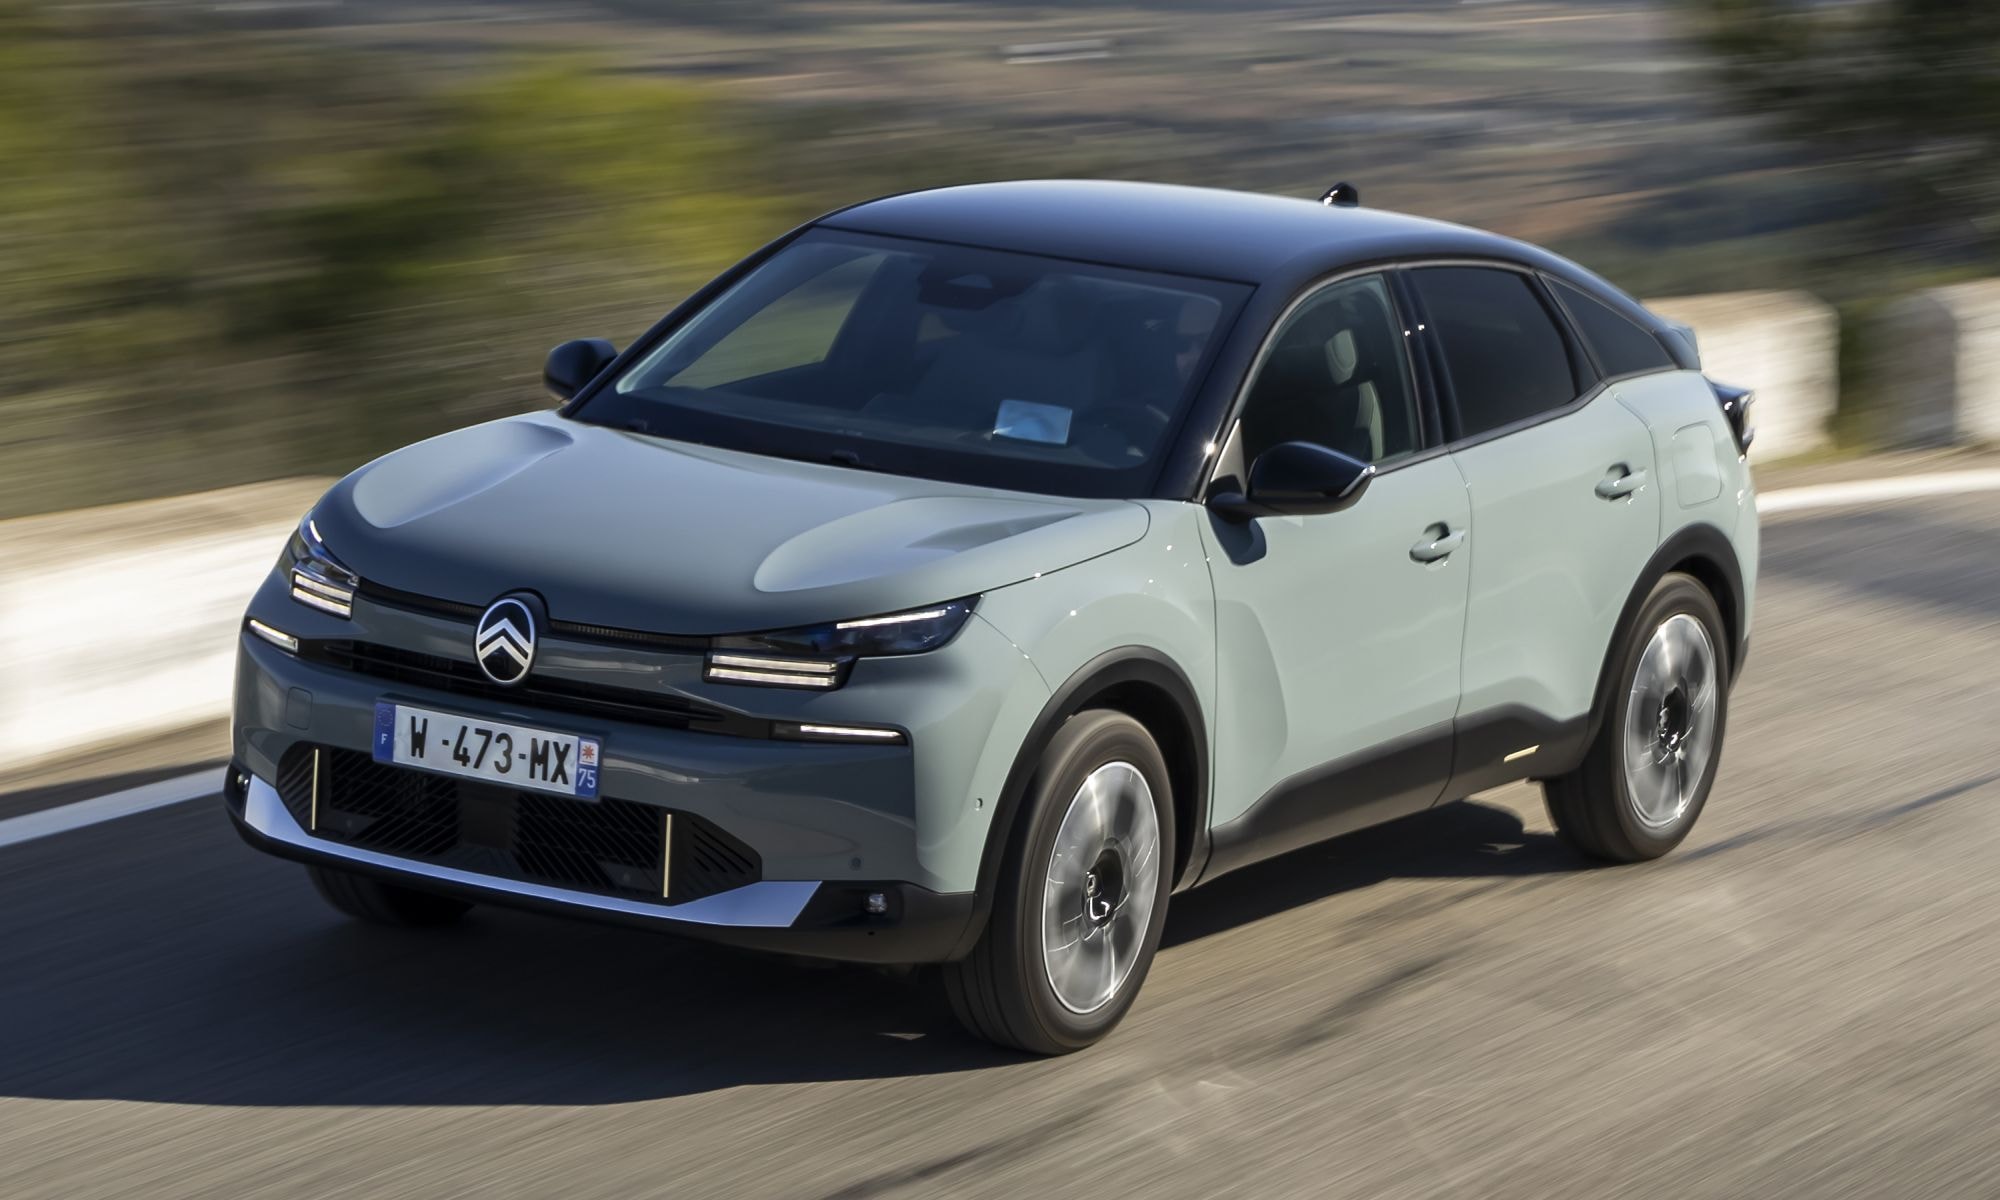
[(1038, 346), (1324, 382)]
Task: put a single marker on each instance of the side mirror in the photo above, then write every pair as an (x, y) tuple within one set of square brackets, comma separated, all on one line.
[(1297, 479), (573, 364)]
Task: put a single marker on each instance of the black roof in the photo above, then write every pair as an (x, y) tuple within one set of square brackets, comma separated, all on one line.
[(1217, 234)]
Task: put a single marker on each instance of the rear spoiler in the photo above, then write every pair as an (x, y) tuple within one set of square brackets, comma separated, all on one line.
[(1736, 402), (1681, 345)]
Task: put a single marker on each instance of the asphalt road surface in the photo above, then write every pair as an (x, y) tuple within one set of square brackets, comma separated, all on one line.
[(1804, 1000)]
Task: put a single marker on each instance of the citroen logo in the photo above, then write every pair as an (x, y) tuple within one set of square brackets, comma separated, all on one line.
[(504, 643)]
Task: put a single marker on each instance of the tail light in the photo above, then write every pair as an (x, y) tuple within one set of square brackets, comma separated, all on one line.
[(1736, 402)]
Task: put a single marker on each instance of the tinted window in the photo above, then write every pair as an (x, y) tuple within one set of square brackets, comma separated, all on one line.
[(938, 361), (1506, 359), (1621, 347), (1336, 375)]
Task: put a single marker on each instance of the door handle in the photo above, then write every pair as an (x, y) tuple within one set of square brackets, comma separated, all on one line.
[(1432, 549), (1612, 487)]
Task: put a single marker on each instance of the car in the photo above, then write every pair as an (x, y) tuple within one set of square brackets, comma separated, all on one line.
[(967, 572)]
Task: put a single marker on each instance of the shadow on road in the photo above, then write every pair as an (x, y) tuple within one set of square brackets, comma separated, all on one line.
[(1454, 841), (164, 962)]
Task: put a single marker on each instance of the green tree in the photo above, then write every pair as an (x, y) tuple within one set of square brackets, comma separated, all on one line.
[(226, 257), (1905, 94)]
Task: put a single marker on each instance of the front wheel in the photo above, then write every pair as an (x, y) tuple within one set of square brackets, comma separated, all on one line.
[(1083, 894), (1659, 742)]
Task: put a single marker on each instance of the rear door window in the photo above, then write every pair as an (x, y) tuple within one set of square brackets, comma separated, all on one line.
[(1621, 347), (1505, 356)]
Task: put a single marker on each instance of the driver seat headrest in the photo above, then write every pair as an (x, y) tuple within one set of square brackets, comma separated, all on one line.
[(1343, 357)]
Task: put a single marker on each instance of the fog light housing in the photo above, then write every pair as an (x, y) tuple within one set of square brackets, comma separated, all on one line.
[(272, 634), (809, 732)]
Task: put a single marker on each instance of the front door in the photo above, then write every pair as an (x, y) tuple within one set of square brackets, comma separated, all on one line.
[(1337, 635)]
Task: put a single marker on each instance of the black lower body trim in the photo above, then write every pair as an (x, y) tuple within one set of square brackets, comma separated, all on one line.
[(1392, 780), (1486, 740), (1398, 778)]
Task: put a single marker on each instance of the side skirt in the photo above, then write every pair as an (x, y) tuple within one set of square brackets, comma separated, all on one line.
[(1376, 785), (1506, 745), (1446, 761)]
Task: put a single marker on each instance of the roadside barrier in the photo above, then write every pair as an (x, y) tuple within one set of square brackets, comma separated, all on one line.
[(120, 622)]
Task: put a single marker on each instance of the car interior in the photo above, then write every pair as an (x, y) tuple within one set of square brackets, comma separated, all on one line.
[(1338, 377), (1039, 361)]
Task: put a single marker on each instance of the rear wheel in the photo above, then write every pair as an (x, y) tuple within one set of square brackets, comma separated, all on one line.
[(1648, 772), (1083, 894), (382, 903)]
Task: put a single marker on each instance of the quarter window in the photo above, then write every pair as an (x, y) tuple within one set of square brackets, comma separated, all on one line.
[(1336, 375), (1506, 359), (1621, 347)]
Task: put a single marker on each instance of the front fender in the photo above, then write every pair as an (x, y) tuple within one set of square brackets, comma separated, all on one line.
[(1142, 617)]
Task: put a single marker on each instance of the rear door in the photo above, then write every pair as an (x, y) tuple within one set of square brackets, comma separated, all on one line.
[(1565, 514)]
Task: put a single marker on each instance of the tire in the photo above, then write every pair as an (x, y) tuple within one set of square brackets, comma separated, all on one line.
[(1667, 726), (380, 903), (1007, 990)]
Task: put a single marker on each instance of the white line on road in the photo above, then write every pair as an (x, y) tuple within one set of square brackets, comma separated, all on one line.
[(1869, 491), (51, 821)]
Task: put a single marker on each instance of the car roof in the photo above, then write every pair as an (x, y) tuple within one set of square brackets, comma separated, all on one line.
[(1242, 236)]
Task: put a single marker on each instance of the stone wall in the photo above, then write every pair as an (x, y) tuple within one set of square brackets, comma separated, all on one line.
[(1786, 345), (1941, 348)]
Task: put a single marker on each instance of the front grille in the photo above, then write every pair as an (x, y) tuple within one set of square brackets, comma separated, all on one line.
[(394, 664), (582, 631), (415, 602), (609, 846)]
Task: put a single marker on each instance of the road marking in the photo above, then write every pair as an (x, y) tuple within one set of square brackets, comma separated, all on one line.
[(51, 821), (1868, 491)]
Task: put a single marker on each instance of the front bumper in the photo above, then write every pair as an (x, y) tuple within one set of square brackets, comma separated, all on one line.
[(815, 918), (834, 823)]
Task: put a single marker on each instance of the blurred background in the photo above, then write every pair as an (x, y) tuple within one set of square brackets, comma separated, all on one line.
[(246, 245), (248, 239)]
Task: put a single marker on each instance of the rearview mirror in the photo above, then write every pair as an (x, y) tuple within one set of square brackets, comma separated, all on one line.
[(1297, 479), (573, 364)]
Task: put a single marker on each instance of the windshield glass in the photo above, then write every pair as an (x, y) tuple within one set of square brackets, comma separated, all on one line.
[(944, 362)]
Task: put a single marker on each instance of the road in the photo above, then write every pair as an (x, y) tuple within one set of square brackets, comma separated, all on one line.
[(1799, 1002)]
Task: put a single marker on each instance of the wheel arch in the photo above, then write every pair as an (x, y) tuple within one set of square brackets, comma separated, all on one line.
[(1147, 686), (1700, 550)]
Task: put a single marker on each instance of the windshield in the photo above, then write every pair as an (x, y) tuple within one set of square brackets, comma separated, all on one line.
[(943, 362)]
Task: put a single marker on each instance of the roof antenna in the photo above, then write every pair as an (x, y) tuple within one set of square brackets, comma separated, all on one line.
[(1342, 195)]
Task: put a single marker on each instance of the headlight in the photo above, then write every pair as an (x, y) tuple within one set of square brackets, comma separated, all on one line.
[(318, 578), (819, 656)]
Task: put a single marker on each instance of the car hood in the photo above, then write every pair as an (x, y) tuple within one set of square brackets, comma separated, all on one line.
[(619, 529)]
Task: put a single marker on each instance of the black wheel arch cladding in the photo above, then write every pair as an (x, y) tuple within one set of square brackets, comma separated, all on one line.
[(1705, 553), (1151, 688)]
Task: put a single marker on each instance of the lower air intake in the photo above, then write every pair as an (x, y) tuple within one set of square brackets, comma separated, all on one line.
[(611, 847)]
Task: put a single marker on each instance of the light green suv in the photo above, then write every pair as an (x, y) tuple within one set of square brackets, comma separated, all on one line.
[(966, 572)]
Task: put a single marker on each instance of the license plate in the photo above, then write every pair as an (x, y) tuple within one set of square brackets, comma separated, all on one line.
[(407, 736)]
